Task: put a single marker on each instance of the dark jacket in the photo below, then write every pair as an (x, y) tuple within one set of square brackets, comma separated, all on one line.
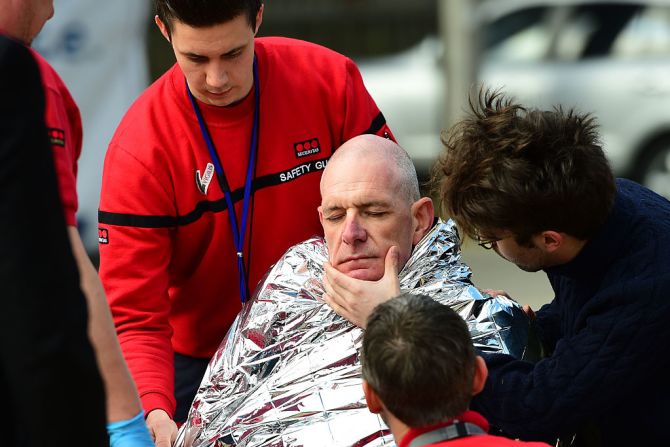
[(50, 389), (607, 331)]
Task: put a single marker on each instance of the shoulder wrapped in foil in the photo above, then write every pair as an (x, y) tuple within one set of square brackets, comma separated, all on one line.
[(288, 372)]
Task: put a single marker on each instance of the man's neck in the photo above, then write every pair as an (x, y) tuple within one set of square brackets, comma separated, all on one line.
[(14, 24), (398, 427), (568, 251)]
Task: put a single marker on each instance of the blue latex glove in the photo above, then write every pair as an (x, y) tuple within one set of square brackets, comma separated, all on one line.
[(130, 433)]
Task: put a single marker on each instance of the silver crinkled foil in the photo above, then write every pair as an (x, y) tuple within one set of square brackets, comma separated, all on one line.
[(288, 372)]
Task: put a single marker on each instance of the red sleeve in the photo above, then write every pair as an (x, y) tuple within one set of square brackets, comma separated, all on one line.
[(65, 136), (362, 114), (134, 264)]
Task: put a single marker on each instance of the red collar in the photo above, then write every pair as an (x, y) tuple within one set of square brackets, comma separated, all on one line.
[(469, 416)]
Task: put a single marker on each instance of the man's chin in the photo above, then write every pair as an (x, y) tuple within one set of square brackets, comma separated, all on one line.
[(364, 274), (529, 268), (365, 269)]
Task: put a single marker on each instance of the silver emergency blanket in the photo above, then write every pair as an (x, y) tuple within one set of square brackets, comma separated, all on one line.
[(288, 371)]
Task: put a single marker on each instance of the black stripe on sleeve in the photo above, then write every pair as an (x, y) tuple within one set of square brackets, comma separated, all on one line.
[(143, 221), (377, 124), (216, 206), (134, 220)]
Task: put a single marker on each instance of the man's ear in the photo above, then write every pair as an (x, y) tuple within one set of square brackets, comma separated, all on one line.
[(549, 241), (320, 210), (479, 378), (162, 27), (423, 215), (259, 18), (371, 398)]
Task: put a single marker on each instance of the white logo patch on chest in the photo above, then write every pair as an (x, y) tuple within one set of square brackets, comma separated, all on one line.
[(202, 181)]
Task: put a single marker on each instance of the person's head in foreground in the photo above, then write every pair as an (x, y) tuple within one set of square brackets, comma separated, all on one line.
[(419, 364), (370, 202), (533, 185), (213, 42)]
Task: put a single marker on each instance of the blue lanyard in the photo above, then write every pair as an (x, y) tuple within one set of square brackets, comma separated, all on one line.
[(238, 232)]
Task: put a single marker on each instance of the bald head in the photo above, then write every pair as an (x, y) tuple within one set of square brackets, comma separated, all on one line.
[(375, 151), (369, 203)]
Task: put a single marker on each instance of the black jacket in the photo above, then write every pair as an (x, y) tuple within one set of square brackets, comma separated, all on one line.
[(50, 389), (608, 329)]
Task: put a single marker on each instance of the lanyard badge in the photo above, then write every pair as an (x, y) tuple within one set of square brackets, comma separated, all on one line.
[(447, 433), (237, 232)]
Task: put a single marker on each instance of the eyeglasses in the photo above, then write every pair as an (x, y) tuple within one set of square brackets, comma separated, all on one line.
[(487, 244)]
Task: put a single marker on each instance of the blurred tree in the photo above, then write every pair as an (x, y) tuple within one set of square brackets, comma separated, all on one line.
[(460, 40)]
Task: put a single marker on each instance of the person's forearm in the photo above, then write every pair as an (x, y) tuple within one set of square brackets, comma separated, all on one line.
[(122, 399)]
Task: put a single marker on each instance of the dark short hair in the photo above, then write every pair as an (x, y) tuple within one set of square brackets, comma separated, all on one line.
[(204, 13), (418, 357), (508, 167)]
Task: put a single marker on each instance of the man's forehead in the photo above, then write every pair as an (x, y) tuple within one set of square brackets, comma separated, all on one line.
[(225, 36), (348, 191)]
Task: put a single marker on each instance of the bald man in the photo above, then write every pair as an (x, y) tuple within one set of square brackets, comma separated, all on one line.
[(370, 202), (288, 370)]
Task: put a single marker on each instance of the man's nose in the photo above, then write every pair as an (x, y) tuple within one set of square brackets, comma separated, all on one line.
[(216, 76), (353, 231)]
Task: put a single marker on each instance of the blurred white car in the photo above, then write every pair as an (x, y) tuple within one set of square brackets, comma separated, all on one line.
[(610, 57), (409, 89)]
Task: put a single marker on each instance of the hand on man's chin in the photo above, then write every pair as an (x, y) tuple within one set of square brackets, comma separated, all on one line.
[(353, 291)]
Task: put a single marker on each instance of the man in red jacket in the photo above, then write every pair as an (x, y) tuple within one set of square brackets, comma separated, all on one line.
[(420, 372), (212, 174)]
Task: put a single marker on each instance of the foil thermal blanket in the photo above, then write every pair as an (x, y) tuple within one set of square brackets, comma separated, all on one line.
[(288, 372)]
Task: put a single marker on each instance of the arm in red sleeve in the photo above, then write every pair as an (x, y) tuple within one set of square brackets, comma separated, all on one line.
[(135, 251), (65, 135)]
